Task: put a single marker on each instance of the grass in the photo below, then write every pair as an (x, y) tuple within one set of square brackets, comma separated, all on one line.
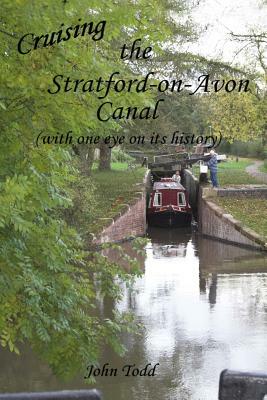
[(116, 166), (233, 173), (114, 189), (251, 212), (263, 168)]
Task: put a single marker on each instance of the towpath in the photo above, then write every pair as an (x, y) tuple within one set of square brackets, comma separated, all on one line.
[(253, 170)]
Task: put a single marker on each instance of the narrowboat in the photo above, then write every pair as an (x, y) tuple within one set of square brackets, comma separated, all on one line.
[(168, 205)]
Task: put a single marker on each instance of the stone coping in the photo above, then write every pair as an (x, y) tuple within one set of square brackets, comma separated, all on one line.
[(236, 190), (191, 173)]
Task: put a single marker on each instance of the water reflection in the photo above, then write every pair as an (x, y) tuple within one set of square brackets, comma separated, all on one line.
[(203, 306), (168, 243)]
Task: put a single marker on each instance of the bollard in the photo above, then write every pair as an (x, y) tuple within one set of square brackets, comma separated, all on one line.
[(60, 395), (235, 385)]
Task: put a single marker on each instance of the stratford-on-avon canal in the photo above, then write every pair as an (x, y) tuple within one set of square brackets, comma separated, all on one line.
[(203, 307)]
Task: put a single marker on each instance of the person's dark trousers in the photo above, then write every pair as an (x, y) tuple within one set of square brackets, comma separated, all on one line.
[(213, 177)]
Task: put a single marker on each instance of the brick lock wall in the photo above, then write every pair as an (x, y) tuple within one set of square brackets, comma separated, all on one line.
[(131, 223), (223, 226)]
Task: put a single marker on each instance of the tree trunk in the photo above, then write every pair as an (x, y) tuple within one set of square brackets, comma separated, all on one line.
[(86, 158), (104, 157)]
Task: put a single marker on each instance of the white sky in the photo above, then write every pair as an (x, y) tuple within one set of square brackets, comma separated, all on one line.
[(223, 16)]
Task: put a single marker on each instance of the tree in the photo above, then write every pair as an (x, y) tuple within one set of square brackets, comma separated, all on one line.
[(49, 285), (242, 116), (104, 157), (179, 113), (235, 116), (254, 45)]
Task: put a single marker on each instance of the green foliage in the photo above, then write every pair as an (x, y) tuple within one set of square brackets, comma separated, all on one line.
[(84, 205), (120, 156), (251, 149), (112, 197), (27, 77), (47, 294), (179, 112), (236, 116), (265, 158), (49, 286)]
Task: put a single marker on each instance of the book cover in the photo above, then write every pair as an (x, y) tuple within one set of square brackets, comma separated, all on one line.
[(133, 186)]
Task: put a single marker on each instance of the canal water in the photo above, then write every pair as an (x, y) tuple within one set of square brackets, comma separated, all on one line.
[(203, 308)]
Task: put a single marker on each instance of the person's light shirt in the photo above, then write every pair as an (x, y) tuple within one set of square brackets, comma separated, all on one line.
[(176, 178)]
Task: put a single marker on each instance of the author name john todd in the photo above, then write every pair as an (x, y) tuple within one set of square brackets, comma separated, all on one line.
[(126, 370)]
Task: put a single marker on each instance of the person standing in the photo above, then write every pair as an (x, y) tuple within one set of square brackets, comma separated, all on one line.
[(212, 164), (176, 177)]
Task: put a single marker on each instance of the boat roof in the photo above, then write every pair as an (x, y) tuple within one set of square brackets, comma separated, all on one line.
[(167, 184)]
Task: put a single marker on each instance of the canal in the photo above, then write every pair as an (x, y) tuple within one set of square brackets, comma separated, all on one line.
[(203, 307)]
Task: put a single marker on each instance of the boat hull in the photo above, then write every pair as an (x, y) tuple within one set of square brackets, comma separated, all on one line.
[(169, 218)]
